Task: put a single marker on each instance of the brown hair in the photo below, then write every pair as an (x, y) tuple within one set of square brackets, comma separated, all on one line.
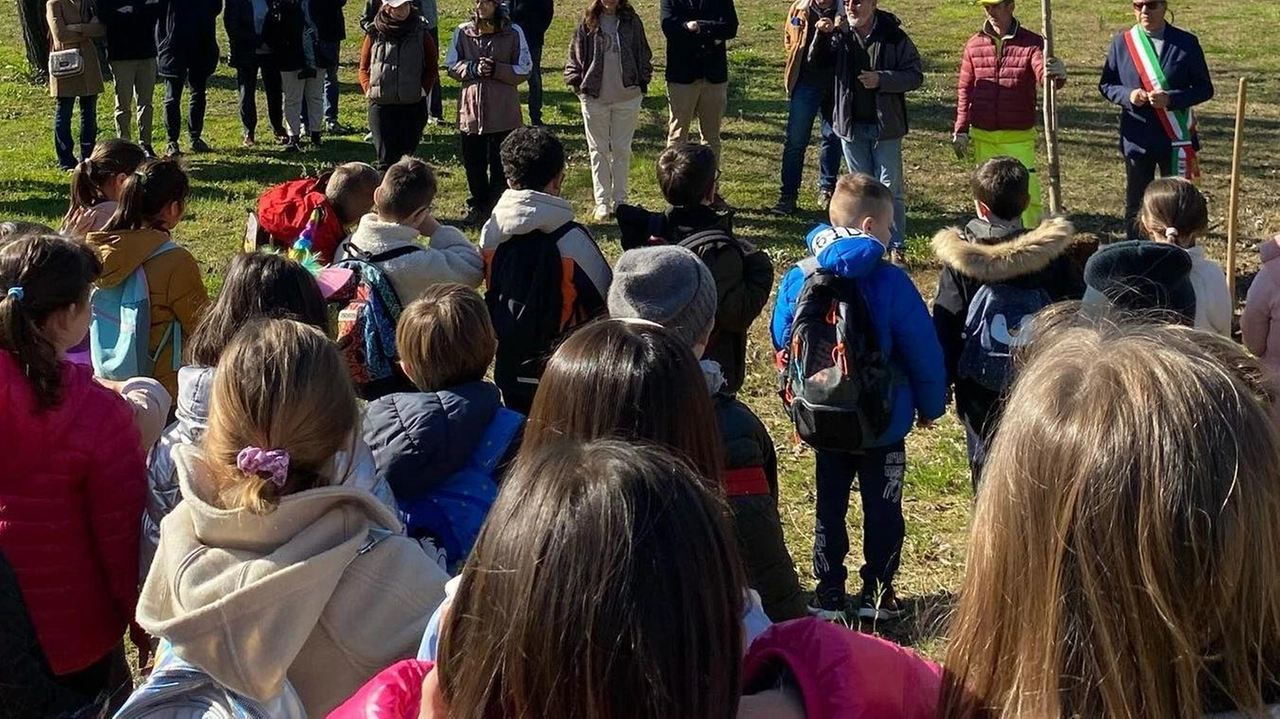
[(605, 583), (280, 385), (445, 337), (40, 276), (857, 197), (687, 174), (1122, 558), (1002, 184), (630, 380), (109, 159), (408, 186), (350, 190), (591, 18), (1176, 210), (146, 193)]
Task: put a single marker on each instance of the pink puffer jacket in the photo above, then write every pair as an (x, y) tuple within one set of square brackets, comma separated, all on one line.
[(395, 693)]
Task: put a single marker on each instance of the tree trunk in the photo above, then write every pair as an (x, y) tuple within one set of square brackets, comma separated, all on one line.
[(35, 35)]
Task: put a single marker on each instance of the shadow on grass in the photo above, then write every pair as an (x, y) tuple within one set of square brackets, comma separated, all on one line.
[(925, 620)]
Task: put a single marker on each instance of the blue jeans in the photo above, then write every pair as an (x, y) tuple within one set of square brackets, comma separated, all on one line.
[(866, 153), (808, 101), (65, 145)]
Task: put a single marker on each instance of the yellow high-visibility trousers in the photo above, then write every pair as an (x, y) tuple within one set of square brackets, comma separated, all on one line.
[(1020, 145)]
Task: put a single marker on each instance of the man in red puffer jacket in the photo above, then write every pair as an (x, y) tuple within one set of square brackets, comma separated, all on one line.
[(1000, 74)]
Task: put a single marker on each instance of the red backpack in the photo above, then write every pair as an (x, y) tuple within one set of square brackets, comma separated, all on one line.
[(285, 210)]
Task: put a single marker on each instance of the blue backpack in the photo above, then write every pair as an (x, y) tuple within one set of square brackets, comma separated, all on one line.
[(452, 511), (999, 321), (121, 327)]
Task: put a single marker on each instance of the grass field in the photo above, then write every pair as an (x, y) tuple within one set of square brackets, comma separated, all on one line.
[(938, 498)]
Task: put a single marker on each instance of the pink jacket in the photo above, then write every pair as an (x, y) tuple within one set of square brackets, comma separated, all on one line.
[(395, 693), (1261, 320), (844, 674)]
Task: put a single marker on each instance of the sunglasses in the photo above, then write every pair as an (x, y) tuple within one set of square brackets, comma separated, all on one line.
[(1140, 6)]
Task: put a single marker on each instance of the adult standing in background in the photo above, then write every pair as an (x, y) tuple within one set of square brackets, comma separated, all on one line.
[(186, 39), (698, 68), (72, 27), (131, 50), (1157, 74), (244, 20), (291, 35), (331, 30), (876, 67), (534, 17), (1000, 74), (431, 13)]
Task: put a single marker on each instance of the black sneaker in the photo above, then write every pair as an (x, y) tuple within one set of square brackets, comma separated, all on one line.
[(149, 151), (333, 127), (292, 145), (316, 139), (879, 604), (173, 150), (830, 604), (786, 205), (824, 198), (475, 216), (199, 145)]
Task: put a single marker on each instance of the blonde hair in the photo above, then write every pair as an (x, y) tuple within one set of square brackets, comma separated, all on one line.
[(1122, 559), (445, 337), (856, 198), (280, 385)]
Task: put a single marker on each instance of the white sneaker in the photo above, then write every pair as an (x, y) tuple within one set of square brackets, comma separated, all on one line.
[(602, 213)]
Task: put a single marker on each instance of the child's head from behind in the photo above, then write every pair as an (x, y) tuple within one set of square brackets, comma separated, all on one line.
[(1001, 189), (445, 338), (13, 230), (627, 379), (533, 159), (350, 190), (605, 583), (283, 406), (668, 285), (1174, 210), (102, 174), (862, 203), (256, 285), (1123, 541), (154, 197), (44, 306), (408, 188), (687, 174)]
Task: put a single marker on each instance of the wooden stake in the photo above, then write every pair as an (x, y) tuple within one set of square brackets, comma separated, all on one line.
[(1051, 116), (1233, 208)]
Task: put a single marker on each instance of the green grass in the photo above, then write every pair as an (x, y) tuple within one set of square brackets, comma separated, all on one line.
[(937, 498)]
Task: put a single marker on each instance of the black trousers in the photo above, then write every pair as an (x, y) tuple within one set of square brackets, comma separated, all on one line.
[(195, 105), (880, 472), (1139, 171), (247, 85), (435, 98), (397, 130), (483, 163), (535, 80)]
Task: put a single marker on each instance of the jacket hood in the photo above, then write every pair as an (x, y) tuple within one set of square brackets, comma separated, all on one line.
[(887, 25), (1022, 255), (844, 251), (522, 211), (123, 252), (239, 594), (195, 387), (714, 375), (421, 438), (374, 235), (1270, 249)]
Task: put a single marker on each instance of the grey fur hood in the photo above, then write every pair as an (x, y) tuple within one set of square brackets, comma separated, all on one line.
[(1025, 254)]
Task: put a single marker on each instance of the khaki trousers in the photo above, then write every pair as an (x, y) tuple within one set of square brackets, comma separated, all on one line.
[(134, 78), (701, 99)]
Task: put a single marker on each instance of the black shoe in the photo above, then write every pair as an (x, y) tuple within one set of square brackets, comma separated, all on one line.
[(282, 138), (786, 206), (199, 145), (316, 139), (438, 121), (879, 604), (173, 150), (824, 198), (830, 604), (333, 127), (149, 151), (292, 146), (475, 216)]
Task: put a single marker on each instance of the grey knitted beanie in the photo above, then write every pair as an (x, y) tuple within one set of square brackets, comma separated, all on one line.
[(668, 285)]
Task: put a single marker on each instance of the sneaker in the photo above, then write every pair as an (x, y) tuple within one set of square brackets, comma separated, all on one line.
[(173, 150), (829, 604), (333, 127), (149, 151), (282, 138), (292, 145), (316, 139), (602, 213), (824, 198), (475, 216), (248, 140), (438, 121), (786, 205), (898, 257), (879, 605), (199, 145), (368, 137)]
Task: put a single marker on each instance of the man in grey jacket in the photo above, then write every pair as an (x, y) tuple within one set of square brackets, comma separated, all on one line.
[(877, 65)]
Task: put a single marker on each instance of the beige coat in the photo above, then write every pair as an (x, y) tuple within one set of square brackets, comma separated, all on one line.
[(74, 24), (295, 594)]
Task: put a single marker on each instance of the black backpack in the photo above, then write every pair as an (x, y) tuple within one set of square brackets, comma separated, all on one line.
[(835, 380), (529, 310)]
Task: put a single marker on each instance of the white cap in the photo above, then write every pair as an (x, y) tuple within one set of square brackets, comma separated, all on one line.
[(396, 3)]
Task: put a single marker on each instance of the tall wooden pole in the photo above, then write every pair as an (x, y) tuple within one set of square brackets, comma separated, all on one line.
[(1051, 116), (1233, 207)]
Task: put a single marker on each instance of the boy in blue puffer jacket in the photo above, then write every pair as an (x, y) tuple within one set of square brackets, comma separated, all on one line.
[(443, 449), (861, 213)]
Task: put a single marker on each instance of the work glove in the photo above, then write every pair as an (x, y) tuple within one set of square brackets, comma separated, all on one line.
[(960, 141), (1055, 68)]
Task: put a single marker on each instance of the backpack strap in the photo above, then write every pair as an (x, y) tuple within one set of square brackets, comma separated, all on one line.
[(809, 266), (172, 333), (356, 253), (706, 239)]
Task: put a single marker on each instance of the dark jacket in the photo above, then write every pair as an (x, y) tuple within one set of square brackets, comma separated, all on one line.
[(700, 55), (131, 28), (982, 254), (243, 38), (897, 61), (584, 70), (291, 36), (533, 17), (186, 38), (331, 26), (1189, 85)]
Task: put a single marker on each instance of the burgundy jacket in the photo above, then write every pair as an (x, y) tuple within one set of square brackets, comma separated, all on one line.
[(998, 89)]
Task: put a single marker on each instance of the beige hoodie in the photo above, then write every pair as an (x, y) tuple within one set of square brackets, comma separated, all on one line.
[(250, 599)]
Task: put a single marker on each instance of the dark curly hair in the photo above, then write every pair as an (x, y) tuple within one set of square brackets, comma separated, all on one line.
[(531, 158)]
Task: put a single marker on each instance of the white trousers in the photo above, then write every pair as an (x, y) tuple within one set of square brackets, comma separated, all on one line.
[(298, 90), (610, 129)]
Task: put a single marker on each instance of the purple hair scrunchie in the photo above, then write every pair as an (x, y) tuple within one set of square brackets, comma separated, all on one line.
[(269, 464)]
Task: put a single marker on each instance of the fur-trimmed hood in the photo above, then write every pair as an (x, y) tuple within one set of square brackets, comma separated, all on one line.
[(1023, 255)]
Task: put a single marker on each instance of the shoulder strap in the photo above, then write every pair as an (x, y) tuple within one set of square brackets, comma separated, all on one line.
[(809, 266), (699, 241), (166, 246), (359, 254)]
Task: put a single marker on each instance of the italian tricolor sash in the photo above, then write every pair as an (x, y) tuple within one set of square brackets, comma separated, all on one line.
[(1179, 125)]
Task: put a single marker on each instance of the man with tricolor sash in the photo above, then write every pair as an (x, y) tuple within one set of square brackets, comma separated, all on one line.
[(1157, 74)]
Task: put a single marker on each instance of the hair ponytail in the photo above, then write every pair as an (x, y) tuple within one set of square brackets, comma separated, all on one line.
[(109, 159), (147, 192), (1176, 210), (38, 277)]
